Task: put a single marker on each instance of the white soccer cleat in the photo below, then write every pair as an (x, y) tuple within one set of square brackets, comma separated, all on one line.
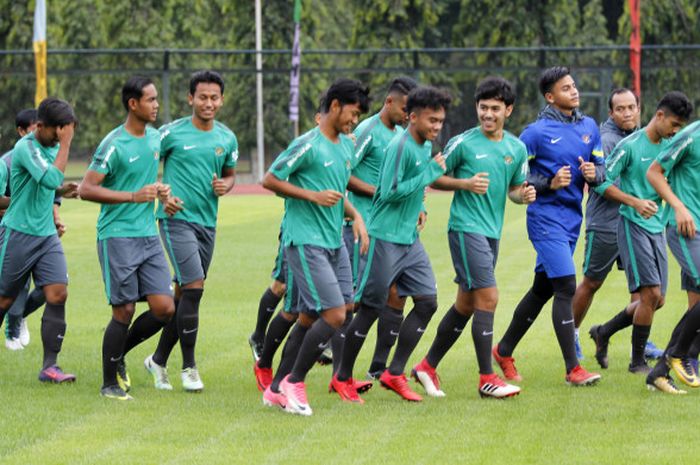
[(24, 332), (14, 344), (159, 373), (296, 397), (493, 386), (191, 382), (426, 375)]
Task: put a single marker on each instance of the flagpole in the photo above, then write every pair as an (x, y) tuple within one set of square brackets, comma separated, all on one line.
[(259, 91), (296, 70), (39, 46)]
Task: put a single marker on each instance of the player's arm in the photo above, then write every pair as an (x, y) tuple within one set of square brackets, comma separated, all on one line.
[(684, 220), (223, 185), (326, 198), (91, 189), (594, 171), (359, 187), (395, 187), (4, 202), (616, 164), (520, 191), (359, 229)]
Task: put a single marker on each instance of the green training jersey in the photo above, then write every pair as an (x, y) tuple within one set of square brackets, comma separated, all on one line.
[(33, 182), (406, 171), (630, 161), (372, 137), (505, 162), (314, 163), (681, 162), (191, 160), (128, 163), (4, 178)]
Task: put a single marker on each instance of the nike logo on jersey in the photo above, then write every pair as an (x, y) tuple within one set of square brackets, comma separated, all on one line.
[(554, 141), (358, 334), (482, 155), (133, 159), (188, 147), (566, 322), (646, 159), (328, 163), (418, 163), (189, 331)]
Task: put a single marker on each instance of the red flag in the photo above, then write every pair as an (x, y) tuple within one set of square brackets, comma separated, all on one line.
[(636, 48)]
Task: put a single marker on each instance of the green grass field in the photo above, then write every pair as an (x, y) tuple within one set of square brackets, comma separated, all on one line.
[(616, 422)]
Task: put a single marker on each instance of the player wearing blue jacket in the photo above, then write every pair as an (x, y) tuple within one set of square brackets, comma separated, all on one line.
[(565, 153)]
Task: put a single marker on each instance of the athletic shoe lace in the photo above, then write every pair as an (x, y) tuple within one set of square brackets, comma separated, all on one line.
[(192, 375), (299, 392)]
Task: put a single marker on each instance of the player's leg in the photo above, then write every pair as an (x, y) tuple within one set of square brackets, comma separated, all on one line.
[(388, 326), (13, 320)]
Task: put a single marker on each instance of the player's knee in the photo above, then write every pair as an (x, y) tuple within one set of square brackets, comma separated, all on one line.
[(564, 286), (426, 306), (278, 288), (652, 295), (591, 285), (542, 287), (56, 296), (661, 303), (288, 316)]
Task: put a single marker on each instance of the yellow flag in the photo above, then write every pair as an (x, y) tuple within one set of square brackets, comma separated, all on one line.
[(40, 50)]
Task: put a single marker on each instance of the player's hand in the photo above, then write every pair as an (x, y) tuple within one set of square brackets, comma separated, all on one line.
[(587, 168), (422, 219), (685, 223), (219, 185), (60, 226), (478, 184), (173, 205), (359, 232), (562, 179), (440, 160), (646, 208), (528, 194), (69, 190), (163, 191), (147, 193), (326, 198), (65, 134)]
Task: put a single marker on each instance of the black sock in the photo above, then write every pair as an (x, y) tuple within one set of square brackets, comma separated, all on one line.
[(266, 310), (640, 336), (563, 318), (687, 333), (448, 331), (188, 324), (338, 340), (35, 300), (168, 339), (289, 355), (354, 338), (112, 351), (276, 332), (482, 333), (53, 329), (525, 314), (388, 327), (412, 330), (694, 350), (145, 326), (315, 342), (3, 312), (616, 323), (661, 368), (13, 325)]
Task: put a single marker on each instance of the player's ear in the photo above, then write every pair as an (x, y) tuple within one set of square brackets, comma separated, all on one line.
[(509, 110)]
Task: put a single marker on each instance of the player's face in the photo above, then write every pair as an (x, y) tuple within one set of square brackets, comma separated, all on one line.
[(492, 114), (564, 94), (23, 132), (346, 116), (625, 111), (146, 108), (206, 101), (668, 124), (46, 135), (428, 122), (396, 107)]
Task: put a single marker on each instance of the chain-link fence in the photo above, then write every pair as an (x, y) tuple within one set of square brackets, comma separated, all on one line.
[(91, 80)]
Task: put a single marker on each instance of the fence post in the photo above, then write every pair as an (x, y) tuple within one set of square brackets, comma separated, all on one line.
[(165, 78)]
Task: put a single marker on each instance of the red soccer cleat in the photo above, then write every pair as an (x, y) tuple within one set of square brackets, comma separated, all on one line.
[(345, 389), (263, 377), (507, 365), (399, 385), (580, 377), (493, 386), (54, 374)]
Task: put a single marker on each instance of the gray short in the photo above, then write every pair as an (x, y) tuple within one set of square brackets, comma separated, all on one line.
[(601, 253), (687, 253), (133, 268), (22, 255), (474, 259), (190, 248), (386, 263), (353, 251), (321, 276), (643, 256), (292, 302), (279, 272)]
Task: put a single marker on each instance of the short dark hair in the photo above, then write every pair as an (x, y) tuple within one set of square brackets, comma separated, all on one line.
[(495, 87), (206, 77), (25, 118), (402, 85), (618, 91), (550, 76), (54, 112), (133, 88), (427, 97), (346, 92), (676, 103)]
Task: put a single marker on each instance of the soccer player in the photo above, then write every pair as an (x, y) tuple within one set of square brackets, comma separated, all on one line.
[(200, 156), (396, 255), (30, 243), (640, 231), (312, 175), (675, 175), (372, 137), (565, 153), (17, 330), (486, 164), (122, 177)]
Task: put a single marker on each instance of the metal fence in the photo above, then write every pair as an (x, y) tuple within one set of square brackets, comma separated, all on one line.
[(91, 80)]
